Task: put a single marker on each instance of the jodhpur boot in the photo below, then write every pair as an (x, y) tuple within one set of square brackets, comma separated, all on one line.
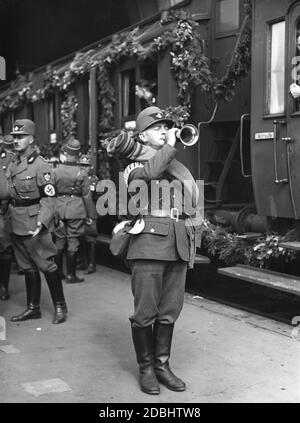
[(71, 268), (162, 348), (91, 246), (33, 292), (143, 344), (82, 255), (5, 265), (59, 261), (57, 294)]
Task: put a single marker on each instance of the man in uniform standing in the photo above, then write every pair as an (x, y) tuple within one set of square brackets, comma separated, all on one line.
[(73, 207), (6, 156), (31, 191), (160, 249), (88, 240)]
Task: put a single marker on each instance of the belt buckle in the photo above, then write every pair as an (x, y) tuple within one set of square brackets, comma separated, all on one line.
[(174, 214)]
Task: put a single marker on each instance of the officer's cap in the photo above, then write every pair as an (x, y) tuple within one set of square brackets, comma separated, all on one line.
[(149, 117), (23, 127), (73, 147)]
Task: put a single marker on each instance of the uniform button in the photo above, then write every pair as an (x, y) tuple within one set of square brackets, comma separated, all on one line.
[(152, 230)]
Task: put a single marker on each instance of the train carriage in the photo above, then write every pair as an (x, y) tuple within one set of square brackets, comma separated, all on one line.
[(247, 149)]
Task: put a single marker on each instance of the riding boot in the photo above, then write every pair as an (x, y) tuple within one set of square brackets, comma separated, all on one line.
[(33, 292), (5, 266), (71, 268), (91, 246), (162, 349), (82, 255), (59, 261), (57, 294), (143, 344)]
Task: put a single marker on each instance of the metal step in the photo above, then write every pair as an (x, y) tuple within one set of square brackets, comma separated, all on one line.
[(293, 245), (268, 278), (201, 259), (103, 239)]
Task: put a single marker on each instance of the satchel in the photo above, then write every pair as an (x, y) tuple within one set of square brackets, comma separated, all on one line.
[(122, 233), (120, 239)]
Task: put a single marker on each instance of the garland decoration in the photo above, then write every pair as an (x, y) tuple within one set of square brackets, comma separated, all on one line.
[(226, 247), (188, 63), (68, 111)]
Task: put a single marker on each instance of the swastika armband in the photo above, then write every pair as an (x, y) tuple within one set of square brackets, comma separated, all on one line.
[(47, 190), (129, 169)]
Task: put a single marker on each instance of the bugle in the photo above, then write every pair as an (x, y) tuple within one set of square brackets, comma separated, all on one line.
[(188, 135)]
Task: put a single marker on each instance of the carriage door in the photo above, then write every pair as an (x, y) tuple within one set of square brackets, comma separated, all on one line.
[(292, 139)]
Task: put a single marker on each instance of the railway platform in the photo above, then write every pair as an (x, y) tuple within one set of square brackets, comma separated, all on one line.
[(224, 354)]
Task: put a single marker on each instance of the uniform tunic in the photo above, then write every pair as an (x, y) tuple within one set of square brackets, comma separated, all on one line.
[(74, 203), (159, 254), (31, 192), (5, 239)]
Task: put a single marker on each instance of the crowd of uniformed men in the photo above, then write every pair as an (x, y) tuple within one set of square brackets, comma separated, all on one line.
[(45, 213)]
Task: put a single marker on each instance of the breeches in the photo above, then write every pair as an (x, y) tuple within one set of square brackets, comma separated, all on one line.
[(158, 290), (35, 252), (90, 233), (69, 234)]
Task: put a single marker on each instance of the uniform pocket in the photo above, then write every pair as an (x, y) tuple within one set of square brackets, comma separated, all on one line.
[(156, 228), (33, 210), (26, 184)]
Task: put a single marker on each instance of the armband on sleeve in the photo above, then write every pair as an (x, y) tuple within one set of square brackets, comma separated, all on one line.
[(129, 169), (47, 190)]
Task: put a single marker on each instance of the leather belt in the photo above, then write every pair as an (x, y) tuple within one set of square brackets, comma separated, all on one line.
[(68, 194), (172, 214), (24, 203)]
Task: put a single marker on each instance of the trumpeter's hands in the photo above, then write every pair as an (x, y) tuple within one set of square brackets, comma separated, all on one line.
[(171, 136)]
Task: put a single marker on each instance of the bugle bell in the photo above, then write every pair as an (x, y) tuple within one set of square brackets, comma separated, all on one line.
[(188, 135)]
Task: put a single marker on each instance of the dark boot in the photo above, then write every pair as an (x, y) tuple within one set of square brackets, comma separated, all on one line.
[(57, 294), (91, 248), (143, 344), (33, 292), (59, 261), (5, 266), (162, 348), (82, 255), (71, 268)]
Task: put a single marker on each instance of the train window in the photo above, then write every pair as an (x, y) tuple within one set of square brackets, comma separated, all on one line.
[(276, 67), (295, 68), (228, 16), (128, 92), (146, 87)]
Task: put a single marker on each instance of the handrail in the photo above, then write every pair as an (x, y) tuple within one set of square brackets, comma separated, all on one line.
[(245, 115), (199, 128), (277, 122)]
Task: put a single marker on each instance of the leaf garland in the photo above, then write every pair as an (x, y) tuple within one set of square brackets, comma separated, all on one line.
[(188, 63), (68, 110), (227, 247)]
